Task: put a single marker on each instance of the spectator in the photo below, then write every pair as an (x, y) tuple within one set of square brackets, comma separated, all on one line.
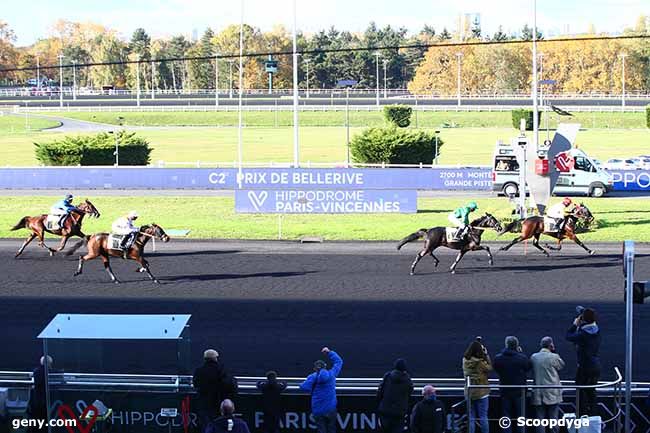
[(512, 367), (586, 335), (37, 406), (271, 390), (546, 367), (227, 421), (321, 384), (476, 365), (393, 398), (428, 415), (213, 385)]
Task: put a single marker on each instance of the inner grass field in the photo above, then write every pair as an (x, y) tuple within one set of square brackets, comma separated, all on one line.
[(214, 217)]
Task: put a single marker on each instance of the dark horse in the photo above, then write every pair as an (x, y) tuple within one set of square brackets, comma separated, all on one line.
[(98, 247), (437, 237), (533, 227), (71, 227)]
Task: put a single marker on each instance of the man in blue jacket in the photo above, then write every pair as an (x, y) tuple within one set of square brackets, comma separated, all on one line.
[(586, 335), (321, 384)]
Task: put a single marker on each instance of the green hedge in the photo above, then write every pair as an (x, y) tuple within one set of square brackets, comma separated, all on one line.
[(95, 150), (393, 145), (647, 116), (522, 113), (398, 115)]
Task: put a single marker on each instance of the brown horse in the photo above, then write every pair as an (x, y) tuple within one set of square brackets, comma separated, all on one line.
[(71, 227), (98, 247), (437, 237), (533, 227)]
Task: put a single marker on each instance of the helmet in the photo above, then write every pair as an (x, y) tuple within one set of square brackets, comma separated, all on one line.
[(472, 205), (567, 201), (132, 215), (68, 197)]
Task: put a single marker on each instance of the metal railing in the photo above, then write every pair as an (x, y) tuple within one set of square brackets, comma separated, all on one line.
[(614, 386)]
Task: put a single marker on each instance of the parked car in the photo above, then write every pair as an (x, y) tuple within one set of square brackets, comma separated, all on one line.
[(641, 162), (619, 164)]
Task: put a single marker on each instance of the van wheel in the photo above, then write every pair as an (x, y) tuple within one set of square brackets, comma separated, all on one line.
[(597, 190), (510, 189)]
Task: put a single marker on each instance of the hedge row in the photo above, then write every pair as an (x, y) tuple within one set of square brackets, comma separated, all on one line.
[(394, 145), (523, 113), (95, 150)]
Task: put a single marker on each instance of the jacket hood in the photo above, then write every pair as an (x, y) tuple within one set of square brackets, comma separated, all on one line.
[(591, 328), (400, 365), (399, 376)]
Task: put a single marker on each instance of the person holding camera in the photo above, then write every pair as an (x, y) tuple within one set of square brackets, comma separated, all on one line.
[(321, 384), (476, 365), (585, 334), (546, 370), (512, 366)]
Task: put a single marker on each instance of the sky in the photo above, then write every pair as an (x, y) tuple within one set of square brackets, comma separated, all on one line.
[(163, 18)]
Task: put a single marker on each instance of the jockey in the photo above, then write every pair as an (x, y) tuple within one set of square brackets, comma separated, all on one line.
[(62, 208), (124, 226), (460, 218), (561, 211)]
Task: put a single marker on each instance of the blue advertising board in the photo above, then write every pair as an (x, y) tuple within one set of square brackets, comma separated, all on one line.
[(473, 179), (331, 201), (631, 180)]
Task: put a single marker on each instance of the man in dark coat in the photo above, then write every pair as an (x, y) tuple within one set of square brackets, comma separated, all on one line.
[(227, 423), (428, 415), (585, 334), (37, 406), (271, 390), (512, 366), (213, 385), (393, 398)]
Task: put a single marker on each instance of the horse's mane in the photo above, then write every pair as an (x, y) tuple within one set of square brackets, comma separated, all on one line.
[(479, 220)]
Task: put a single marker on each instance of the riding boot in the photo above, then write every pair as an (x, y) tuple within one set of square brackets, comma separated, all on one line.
[(125, 250)]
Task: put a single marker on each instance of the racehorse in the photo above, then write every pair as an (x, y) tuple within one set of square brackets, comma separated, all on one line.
[(437, 237), (98, 247), (533, 227), (71, 227)]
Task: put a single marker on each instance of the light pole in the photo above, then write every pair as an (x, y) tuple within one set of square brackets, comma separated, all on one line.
[(216, 79), (296, 154), (231, 61), (623, 56), (38, 73), (307, 67), (153, 82), (534, 90), (137, 82), (385, 80), (436, 157), (459, 56), (61, 80), (74, 80), (377, 75)]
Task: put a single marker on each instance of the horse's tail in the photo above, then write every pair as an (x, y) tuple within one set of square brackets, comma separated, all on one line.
[(22, 224), (412, 237), (508, 228), (75, 247)]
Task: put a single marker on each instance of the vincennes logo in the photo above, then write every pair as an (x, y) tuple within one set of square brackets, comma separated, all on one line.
[(257, 199)]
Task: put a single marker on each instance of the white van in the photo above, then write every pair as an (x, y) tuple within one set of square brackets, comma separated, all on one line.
[(584, 178)]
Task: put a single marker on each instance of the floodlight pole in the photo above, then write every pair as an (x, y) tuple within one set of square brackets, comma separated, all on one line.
[(216, 79), (61, 80), (307, 66), (377, 75), (385, 80), (628, 268), (296, 155), (239, 94), (459, 56), (137, 81), (535, 84), (153, 83), (230, 62), (623, 56), (74, 80), (38, 73)]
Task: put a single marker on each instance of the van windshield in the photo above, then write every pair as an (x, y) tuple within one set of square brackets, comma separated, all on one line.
[(506, 163)]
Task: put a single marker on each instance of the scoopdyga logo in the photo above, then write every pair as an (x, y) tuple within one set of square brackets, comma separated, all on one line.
[(65, 412), (257, 199)]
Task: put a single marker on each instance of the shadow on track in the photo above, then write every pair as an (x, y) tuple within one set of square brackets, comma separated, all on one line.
[(192, 253), (215, 277)]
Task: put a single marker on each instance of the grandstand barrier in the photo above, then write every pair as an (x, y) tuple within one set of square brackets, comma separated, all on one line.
[(136, 400)]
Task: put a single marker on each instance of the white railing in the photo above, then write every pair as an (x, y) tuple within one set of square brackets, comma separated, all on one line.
[(318, 108)]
